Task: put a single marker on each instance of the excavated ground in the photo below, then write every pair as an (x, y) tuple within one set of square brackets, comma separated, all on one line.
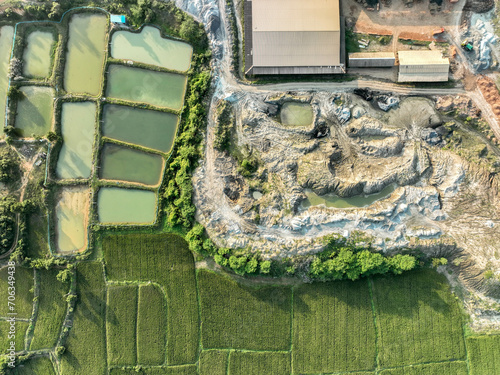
[(442, 204)]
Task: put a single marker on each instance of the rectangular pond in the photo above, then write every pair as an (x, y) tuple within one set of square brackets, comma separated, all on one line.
[(151, 129), (130, 165), (77, 128), (296, 114), (72, 212), (146, 86), (126, 206), (85, 53), (35, 111), (149, 47), (37, 57), (6, 37)]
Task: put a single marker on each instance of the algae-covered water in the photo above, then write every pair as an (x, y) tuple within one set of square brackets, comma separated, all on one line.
[(126, 206), (35, 111), (149, 47), (145, 86), (77, 128), (332, 200), (6, 37), (85, 56), (37, 54), (128, 164), (152, 129), (296, 114)]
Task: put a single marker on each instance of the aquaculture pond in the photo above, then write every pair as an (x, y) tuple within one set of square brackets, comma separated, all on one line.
[(296, 114), (72, 211), (332, 200), (149, 47), (77, 128), (6, 36), (85, 56), (35, 111), (152, 129), (145, 86), (128, 164), (37, 58), (126, 206)]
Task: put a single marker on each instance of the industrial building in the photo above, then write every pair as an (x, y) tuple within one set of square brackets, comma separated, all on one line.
[(422, 66), (293, 37), (372, 60)]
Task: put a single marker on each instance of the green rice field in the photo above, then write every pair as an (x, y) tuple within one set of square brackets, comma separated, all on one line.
[(159, 89), (147, 306), (24, 292), (151, 129), (35, 111), (37, 54), (36, 366), (51, 310)]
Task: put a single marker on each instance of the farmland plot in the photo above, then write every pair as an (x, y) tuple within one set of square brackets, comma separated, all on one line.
[(21, 328), (444, 368), (86, 345), (213, 362), (121, 325), (416, 314), (239, 317), (170, 370), (36, 366), (51, 310), (24, 292), (333, 328), (259, 363), (151, 326), (484, 354), (166, 260)]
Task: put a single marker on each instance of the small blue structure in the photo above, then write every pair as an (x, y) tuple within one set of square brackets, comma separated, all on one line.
[(118, 19)]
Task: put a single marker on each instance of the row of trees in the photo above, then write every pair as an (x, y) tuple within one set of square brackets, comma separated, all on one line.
[(351, 259)]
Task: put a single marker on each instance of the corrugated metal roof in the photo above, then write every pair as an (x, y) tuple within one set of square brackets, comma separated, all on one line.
[(296, 48), (421, 58), (116, 18), (428, 77), (296, 15), (372, 55)]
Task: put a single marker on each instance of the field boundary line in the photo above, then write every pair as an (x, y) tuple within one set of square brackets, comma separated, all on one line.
[(34, 313), (198, 302), (291, 330), (466, 349), (424, 363), (136, 325), (374, 314)]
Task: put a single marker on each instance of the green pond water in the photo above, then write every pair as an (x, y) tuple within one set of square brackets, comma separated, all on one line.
[(35, 111), (145, 86), (149, 47), (127, 164), (122, 206), (72, 219), (6, 36), (296, 114), (77, 127), (85, 56), (332, 200), (152, 129), (37, 54)]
